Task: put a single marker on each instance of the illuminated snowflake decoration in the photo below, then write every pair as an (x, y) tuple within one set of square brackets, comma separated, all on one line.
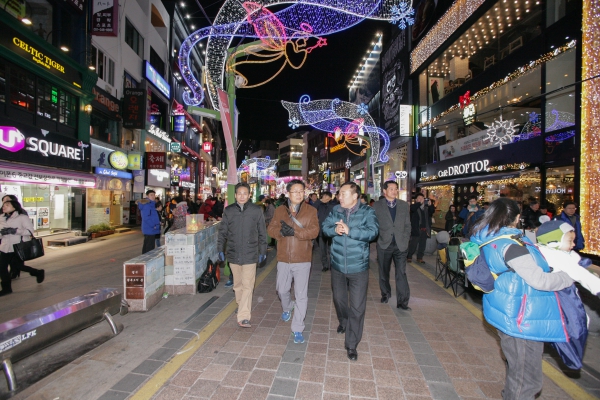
[(348, 163), (402, 15), (534, 117), (332, 115), (293, 123), (501, 132), (236, 19), (362, 108)]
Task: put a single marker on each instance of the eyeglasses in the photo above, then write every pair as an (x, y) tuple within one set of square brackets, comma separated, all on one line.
[(297, 192)]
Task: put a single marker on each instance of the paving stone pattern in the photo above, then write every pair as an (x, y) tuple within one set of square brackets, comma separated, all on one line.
[(438, 350)]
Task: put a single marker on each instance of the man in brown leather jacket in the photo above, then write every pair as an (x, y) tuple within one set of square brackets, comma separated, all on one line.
[(294, 226)]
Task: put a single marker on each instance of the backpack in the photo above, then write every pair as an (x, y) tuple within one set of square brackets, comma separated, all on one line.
[(210, 278), (476, 267)]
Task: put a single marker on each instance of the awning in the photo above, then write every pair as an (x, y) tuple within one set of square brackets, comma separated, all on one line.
[(12, 172)]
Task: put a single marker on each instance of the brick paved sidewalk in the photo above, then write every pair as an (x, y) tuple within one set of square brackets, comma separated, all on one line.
[(438, 350)]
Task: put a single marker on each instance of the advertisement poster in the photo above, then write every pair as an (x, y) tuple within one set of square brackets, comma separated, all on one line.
[(138, 180), (43, 217), (32, 213), (394, 82), (466, 145)]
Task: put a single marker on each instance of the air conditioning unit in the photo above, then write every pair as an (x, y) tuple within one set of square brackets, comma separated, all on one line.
[(108, 88)]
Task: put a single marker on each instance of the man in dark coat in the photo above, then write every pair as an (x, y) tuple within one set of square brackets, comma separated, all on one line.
[(420, 218), (394, 235), (244, 232), (352, 226), (531, 215), (568, 215), (324, 206)]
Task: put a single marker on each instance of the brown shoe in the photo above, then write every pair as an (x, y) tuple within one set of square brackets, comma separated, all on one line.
[(420, 261)]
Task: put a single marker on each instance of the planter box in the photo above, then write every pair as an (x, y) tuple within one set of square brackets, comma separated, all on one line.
[(101, 233)]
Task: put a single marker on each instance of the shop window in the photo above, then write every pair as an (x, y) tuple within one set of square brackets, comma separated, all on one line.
[(130, 139), (520, 189), (134, 39), (41, 18), (22, 89), (560, 187), (157, 62), (130, 81), (47, 100), (105, 66), (154, 145), (2, 81), (557, 9), (104, 129), (68, 109), (560, 106), (442, 197)]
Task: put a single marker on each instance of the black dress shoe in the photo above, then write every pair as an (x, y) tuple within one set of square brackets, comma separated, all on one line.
[(406, 308), (352, 354), (325, 269), (385, 298), (341, 329), (40, 276)]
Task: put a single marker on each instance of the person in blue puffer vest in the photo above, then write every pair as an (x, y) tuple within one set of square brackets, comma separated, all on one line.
[(523, 306), (351, 225), (150, 220)]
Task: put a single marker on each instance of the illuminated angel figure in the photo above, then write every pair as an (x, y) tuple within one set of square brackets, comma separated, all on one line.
[(275, 44), (352, 137)]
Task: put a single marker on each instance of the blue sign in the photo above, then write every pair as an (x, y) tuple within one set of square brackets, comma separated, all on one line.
[(179, 123), (154, 77), (113, 173)]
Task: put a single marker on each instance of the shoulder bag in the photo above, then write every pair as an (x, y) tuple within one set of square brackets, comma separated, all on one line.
[(29, 250)]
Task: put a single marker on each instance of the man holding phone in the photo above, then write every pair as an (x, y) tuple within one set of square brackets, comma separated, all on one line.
[(420, 219)]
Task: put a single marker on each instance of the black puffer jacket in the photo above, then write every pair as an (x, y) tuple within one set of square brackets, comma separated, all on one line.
[(243, 232)]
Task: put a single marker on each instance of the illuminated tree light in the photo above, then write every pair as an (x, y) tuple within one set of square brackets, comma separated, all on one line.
[(331, 115), (325, 17)]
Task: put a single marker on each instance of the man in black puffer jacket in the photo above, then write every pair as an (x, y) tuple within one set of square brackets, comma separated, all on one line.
[(244, 232), (324, 207)]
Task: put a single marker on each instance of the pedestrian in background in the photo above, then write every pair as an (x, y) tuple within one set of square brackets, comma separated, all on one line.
[(15, 226), (393, 215), (179, 213), (269, 213), (451, 218), (352, 226), (568, 215), (159, 209), (420, 217), (324, 206), (294, 225), (150, 220), (243, 235)]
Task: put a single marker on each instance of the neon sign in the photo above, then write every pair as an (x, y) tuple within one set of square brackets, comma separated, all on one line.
[(154, 77)]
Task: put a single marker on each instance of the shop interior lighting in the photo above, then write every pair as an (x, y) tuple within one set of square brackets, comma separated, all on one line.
[(323, 16)]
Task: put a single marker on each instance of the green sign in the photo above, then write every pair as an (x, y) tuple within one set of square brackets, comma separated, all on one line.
[(175, 147)]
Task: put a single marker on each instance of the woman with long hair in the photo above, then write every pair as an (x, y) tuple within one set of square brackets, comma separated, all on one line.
[(451, 218), (15, 226), (523, 306)]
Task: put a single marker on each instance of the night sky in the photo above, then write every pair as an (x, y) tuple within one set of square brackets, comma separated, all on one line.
[(325, 75)]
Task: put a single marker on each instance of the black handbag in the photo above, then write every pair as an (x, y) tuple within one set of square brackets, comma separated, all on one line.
[(29, 250)]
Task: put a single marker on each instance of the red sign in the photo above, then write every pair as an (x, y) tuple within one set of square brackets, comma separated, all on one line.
[(201, 171), (156, 160), (207, 147)]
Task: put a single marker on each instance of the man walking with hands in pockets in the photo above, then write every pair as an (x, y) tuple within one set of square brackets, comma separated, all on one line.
[(352, 226), (294, 226), (394, 234)]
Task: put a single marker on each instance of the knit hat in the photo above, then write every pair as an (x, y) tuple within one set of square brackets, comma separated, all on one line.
[(442, 237), (551, 233)]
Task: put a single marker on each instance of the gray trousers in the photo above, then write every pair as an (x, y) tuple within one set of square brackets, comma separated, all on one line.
[(299, 273), (350, 301), (385, 257), (524, 376)]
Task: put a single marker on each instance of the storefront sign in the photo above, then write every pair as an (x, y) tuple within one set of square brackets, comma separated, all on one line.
[(214, 170), (469, 114), (134, 114), (106, 103), (207, 147), (159, 177), (118, 160), (401, 174), (17, 141), (175, 147), (156, 160), (112, 173), (138, 181), (466, 168), (105, 18), (134, 161), (12, 173), (201, 171), (405, 119), (12, 40), (158, 81), (159, 133), (188, 185), (179, 123)]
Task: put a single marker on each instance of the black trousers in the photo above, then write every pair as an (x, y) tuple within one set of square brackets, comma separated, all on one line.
[(149, 243), (421, 242), (350, 301), (385, 257), (7, 259), (325, 249)]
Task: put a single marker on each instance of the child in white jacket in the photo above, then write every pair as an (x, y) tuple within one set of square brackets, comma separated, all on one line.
[(556, 241)]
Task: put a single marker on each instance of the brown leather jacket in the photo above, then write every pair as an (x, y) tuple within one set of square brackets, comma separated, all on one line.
[(297, 248)]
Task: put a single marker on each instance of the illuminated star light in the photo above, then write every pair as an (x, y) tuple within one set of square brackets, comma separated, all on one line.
[(293, 123), (403, 15), (501, 132), (363, 109)]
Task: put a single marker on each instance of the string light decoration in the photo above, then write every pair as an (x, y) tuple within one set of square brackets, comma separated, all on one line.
[(531, 129), (351, 138), (368, 62), (429, 178), (403, 15), (260, 163), (325, 17), (514, 75), (508, 167), (501, 131), (559, 119), (560, 137), (331, 115), (460, 11), (589, 167)]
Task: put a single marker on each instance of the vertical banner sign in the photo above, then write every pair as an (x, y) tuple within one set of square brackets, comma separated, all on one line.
[(224, 108), (201, 171), (105, 17), (134, 116), (394, 82)]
